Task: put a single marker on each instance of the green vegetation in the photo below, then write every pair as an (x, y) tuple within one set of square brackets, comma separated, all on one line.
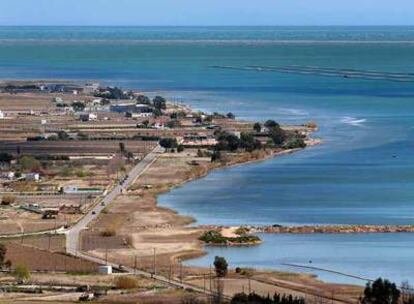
[(230, 142), (169, 143), (159, 103), (230, 115), (381, 292), (21, 272), (215, 237), (257, 127), (220, 266), (6, 158), (253, 298), (142, 99), (78, 106), (296, 142), (114, 93), (29, 163), (3, 251)]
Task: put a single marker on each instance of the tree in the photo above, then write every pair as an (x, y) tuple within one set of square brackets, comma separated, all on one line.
[(248, 142), (142, 99), (122, 147), (168, 143), (230, 115), (62, 135), (3, 251), (29, 163), (6, 157), (295, 142), (78, 106), (227, 141), (277, 134), (220, 266), (380, 292), (21, 272), (216, 156), (257, 127), (159, 103), (271, 124)]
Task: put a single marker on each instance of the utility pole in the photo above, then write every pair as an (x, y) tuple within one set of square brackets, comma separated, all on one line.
[(210, 277), (181, 271), (154, 262), (135, 264), (250, 286), (106, 254)]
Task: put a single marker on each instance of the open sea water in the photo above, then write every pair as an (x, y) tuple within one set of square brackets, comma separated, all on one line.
[(362, 174)]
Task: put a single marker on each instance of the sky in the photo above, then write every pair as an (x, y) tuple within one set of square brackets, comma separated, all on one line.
[(206, 12)]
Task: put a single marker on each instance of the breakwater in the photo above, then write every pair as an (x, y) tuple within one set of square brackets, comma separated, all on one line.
[(324, 229)]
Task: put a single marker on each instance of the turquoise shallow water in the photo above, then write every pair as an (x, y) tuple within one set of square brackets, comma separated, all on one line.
[(363, 173)]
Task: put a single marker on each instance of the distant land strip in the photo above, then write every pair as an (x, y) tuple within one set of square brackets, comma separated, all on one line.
[(323, 229)]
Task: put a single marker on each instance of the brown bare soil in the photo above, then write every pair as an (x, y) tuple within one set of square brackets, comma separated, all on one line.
[(42, 260)]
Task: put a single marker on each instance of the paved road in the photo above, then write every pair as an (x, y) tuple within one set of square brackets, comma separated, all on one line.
[(73, 233)]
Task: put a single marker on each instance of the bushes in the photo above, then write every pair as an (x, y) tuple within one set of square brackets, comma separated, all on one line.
[(215, 237), (242, 298), (168, 143), (8, 199), (126, 283), (21, 272), (295, 142), (108, 232), (29, 163)]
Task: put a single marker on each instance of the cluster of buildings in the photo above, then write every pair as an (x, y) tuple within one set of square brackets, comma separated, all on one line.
[(10, 175)]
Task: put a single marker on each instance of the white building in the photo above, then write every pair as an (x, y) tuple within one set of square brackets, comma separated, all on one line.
[(137, 115), (1, 114), (106, 269), (7, 175), (88, 116), (73, 189), (32, 176)]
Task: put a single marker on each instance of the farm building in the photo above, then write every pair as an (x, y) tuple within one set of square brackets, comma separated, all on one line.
[(130, 108), (31, 176), (88, 116), (72, 189)]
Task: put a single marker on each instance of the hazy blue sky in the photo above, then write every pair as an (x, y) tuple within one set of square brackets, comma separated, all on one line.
[(206, 12)]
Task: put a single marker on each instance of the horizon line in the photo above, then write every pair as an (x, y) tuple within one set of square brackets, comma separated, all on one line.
[(235, 25)]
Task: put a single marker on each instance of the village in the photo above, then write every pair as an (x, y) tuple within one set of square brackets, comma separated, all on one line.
[(81, 166)]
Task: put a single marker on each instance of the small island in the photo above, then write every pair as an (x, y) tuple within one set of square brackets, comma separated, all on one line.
[(230, 237)]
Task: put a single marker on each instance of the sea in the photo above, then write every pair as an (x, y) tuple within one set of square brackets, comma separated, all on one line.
[(356, 83)]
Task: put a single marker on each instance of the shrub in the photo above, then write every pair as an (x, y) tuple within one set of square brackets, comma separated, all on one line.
[(29, 163), (8, 199), (21, 272), (168, 143), (295, 143), (126, 283), (3, 251), (108, 232)]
